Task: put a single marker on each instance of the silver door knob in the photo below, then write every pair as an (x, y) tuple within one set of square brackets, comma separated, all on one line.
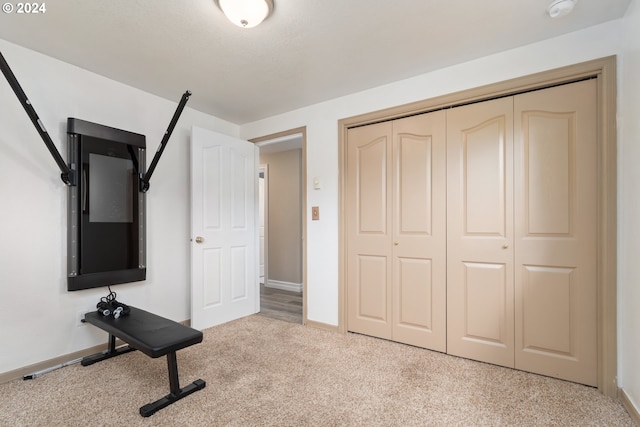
[(396, 243), (505, 246), (199, 239)]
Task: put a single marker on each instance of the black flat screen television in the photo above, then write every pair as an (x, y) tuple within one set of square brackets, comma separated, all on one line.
[(106, 212)]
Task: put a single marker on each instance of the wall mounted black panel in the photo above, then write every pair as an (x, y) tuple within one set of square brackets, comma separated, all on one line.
[(106, 214)]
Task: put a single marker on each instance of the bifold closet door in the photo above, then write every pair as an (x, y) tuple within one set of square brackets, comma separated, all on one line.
[(419, 257), (555, 246), (396, 230), (522, 242), (480, 287), (369, 230)]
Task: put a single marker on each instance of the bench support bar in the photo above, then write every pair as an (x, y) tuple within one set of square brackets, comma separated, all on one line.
[(176, 393), (111, 352), (151, 408)]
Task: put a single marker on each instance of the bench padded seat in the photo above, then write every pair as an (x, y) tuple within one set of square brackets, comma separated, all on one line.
[(153, 335)]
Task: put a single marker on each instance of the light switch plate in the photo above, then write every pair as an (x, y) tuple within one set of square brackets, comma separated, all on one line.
[(315, 213)]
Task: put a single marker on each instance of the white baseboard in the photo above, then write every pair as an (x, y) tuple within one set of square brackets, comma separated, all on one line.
[(629, 406), (321, 325), (285, 286)]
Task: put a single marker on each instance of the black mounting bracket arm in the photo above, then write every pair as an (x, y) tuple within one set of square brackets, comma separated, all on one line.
[(144, 178), (68, 176)]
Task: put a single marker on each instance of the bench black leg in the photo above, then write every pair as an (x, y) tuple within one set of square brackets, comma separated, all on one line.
[(172, 365), (176, 393), (111, 352)]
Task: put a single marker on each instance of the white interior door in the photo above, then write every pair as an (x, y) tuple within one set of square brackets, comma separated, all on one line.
[(224, 249)]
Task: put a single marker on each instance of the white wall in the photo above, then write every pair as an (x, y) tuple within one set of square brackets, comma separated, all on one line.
[(629, 208), (38, 316)]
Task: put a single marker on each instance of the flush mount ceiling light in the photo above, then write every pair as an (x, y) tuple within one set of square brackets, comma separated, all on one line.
[(559, 8), (246, 13)]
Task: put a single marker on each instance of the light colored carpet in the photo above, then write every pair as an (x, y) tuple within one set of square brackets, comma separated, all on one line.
[(265, 372)]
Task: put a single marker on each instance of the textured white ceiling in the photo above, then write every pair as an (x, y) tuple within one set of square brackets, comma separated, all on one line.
[(306, 52)]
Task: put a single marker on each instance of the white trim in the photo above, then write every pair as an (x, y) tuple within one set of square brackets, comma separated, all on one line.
[(629, 406), (285, 286), (285, 138), (264, 168)]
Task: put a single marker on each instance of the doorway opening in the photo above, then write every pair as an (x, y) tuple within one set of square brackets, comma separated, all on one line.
[(281, 208)]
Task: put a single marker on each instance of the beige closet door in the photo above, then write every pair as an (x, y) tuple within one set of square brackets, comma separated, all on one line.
[(555, 246), (396, 230), (480, 292), (369, 231), (419, 231)]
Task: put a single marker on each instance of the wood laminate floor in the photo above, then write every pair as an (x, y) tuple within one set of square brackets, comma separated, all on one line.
[(281, 305)]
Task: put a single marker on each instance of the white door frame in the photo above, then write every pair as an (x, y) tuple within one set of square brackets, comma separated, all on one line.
[(264, 169)]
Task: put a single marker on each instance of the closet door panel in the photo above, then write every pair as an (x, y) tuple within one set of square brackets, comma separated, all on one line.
[(369, 230), (484, 178), (546, 295), (555, 246), (485, 305), (415, 288), (419, 231), (480, 319)]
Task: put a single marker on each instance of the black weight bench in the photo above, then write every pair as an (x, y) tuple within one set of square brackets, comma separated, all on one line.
[(153, 335)]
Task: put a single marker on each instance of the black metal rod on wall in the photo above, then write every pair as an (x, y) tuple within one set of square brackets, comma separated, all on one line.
[(67, 174), (147, 176)]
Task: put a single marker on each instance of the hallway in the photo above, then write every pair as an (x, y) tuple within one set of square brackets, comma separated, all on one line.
[(279, 304)]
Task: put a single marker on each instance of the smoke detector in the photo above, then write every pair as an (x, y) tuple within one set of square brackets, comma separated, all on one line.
[(560, 8)]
